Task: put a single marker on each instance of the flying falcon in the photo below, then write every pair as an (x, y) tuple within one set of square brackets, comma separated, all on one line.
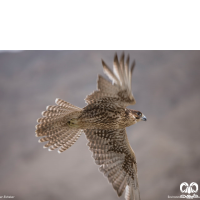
[(104, 121)]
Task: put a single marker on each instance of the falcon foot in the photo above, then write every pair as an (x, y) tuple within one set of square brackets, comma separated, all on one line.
[(72, 123)]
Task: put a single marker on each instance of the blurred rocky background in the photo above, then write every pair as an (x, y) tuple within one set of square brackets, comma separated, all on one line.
[(166, 85)]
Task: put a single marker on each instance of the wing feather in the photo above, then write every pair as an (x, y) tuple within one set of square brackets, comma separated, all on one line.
[(117, 70), (120, 88), (122, 69), (109, 73), (131, 72), (127, 70), (132, 192), (112, 151)]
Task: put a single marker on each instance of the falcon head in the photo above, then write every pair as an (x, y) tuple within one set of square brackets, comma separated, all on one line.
[(138, 116)]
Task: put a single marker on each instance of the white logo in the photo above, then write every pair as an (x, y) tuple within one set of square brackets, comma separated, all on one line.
[(189, 188), (186, 188)]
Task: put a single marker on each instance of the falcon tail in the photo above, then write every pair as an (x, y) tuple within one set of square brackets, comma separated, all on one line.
[(55, 126)]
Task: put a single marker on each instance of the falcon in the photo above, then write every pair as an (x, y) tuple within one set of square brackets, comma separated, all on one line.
[(104, 121)]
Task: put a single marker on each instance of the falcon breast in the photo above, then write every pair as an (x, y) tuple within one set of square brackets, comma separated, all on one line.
[(104, 121)]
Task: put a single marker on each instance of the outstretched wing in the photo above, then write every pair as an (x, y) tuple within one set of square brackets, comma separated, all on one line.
[(112, 151), (120, 88)]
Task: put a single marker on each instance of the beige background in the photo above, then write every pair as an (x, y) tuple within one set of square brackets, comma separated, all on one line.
[(166, 85)]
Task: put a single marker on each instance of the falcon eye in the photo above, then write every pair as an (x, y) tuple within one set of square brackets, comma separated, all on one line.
[(139, 113)]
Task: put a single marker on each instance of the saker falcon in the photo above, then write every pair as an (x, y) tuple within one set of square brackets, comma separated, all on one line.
[(104, 121)]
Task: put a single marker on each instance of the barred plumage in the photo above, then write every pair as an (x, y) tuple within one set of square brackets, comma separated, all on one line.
[(103, 121)]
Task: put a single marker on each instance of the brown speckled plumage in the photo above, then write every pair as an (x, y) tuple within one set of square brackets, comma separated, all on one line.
[(103, 121)]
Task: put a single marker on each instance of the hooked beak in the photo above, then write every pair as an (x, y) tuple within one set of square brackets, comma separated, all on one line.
[(143, 118)]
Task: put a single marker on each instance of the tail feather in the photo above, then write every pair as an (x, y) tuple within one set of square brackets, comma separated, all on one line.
[(65, 104), (46, 120), (55, 135), (52, 114), (53, 126), (70, 142), (55, 138), (55, 108), (48, 131), (65, 138), (43, 129)]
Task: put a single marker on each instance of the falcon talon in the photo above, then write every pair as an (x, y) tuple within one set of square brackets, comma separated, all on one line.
[(72, 123)]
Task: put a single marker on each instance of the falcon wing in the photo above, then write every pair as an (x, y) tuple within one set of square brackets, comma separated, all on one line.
[(112, 151), (120, 88)]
